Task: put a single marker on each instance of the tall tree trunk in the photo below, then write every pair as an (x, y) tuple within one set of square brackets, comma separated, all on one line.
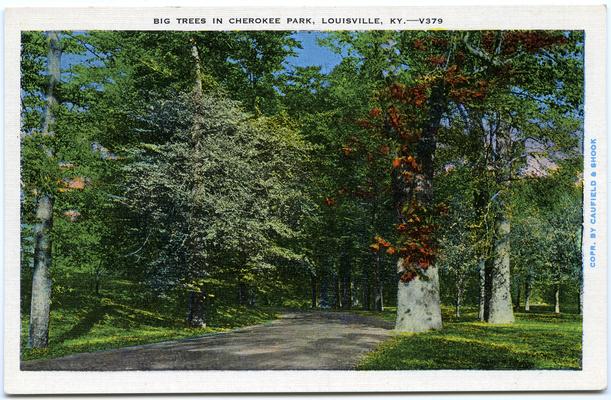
[(378, 303), (418, 301), (527, 293), (501, 307), (41, 279), (501, 311), (557, 297), (366, 288), (516, 306), (199, 85), (337, 293), (314, 293), (580, 302), (346, 280), (197, 309), (324, 301), (482, 290), (459, 294)]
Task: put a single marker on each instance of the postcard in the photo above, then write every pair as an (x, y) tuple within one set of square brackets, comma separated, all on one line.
[(231, 200)]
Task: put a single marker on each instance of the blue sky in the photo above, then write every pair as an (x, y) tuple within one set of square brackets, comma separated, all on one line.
[(312, 53)]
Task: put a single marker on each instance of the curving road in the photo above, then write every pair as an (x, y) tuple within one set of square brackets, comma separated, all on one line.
[(296, 341)]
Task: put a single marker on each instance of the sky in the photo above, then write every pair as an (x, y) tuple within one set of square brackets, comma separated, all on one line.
[(312, 53)]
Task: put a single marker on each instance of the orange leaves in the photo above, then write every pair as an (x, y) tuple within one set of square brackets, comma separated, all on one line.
[(419, 45), (408, 162), (530, 41), (381, 243), (394, 118), (363, 123), (397, 91), (329, 201), (413, 164), (347, 150), (396, 163), (436, 60), (72, 215), (375, 112), (76, 183), (454, 77), (408, 276)]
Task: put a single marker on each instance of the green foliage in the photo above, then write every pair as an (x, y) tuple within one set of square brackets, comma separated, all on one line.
[(273, 184)]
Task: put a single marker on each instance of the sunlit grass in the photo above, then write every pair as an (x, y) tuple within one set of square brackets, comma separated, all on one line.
[(81, 323), (537, 340)]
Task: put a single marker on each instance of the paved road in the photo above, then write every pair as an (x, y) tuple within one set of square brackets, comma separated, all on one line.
[(299, 340)]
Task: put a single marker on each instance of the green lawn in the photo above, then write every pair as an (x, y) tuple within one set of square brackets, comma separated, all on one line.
[(81, 323), (537, 340)]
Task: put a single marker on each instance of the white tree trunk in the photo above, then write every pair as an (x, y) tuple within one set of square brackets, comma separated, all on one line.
[(557, 305), (527, 293), (501, 307), (40, 305), (418, 305), (482, 290)]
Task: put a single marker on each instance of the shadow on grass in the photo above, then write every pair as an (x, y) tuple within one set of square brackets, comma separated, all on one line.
[(94, 316), (434, 352)]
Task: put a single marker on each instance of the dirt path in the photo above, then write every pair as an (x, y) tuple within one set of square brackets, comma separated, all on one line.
[(298, 340)]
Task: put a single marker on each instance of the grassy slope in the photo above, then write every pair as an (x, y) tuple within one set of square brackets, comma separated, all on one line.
[(537, 340), (81, 323)]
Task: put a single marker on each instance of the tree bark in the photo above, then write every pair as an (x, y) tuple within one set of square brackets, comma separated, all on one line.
[(418, 308), (314, 293), (501, 307), (516, 306), (366, 288), (501, 311), (580, 302), (346, 281), (418, 301), (197, 309), (337, 293), (324, 290), (527, 293), (199, 85), (41, 279), (378, 303), (482, 290), (557, 297), (459, 294)]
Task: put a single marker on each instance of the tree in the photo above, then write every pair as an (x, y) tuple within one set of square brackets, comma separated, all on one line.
[(41, 279), (224, 190)]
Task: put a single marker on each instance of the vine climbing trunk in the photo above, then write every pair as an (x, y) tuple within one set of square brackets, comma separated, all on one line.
[(41, 280), (418, 299)]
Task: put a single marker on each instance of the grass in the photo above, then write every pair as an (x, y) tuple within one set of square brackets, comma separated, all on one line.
[(81, 323), (539, 339)]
